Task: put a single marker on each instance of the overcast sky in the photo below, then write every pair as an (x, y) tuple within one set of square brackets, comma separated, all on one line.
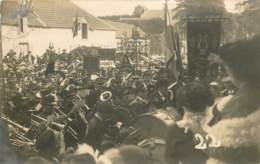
[(116, 7)]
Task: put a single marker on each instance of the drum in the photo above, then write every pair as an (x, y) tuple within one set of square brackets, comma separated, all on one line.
[(155, 124)]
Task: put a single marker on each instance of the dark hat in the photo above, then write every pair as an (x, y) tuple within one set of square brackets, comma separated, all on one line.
[(50, 99), (105, 107)]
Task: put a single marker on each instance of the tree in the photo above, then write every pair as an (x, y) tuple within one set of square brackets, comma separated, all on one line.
[(250, 16), (139, 10), (191, 6), (249, 5)]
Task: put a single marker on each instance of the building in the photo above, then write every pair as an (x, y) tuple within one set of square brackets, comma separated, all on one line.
[(130, 39), (34, 25)]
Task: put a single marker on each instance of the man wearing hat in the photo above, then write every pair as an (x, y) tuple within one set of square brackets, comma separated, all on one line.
[(50, 57), (48, 103), (103, 122)]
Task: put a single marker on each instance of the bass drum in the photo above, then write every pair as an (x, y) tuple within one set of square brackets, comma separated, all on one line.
[(155, 124)]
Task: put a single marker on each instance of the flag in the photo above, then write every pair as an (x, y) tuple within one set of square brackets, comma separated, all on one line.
[(75, 26), (171, 48)]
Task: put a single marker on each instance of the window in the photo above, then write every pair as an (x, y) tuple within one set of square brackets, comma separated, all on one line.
[(84, 30)]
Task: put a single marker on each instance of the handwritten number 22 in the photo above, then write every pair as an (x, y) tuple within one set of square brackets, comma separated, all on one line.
[(202, 145)]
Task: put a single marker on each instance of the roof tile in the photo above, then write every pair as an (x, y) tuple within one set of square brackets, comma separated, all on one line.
[(53, 13)]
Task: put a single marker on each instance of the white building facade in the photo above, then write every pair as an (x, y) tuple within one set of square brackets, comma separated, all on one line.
[(37, 29)]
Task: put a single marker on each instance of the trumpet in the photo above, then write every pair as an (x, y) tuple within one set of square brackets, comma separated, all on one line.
[(126, 78), (173, 85), (57, 125), (18, 143), (109, 82), (16, 125)]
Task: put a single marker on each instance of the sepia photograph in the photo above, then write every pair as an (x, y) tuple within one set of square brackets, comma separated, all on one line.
[(130, 82)]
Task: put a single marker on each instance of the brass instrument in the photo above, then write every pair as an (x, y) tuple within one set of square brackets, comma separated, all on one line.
[(172, 89), (172, 85), (126, 78), (18, 139), (104, 98), (16, 125), (57, 125)]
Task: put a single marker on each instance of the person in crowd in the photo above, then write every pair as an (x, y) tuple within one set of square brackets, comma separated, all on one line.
[(7, 155), (235, 137), (50, 56), (37, 160), (48, 143), (127, 154), (64, 57), (214, 89), (194, 97), (85, 154), (29, 58), (100, 123)]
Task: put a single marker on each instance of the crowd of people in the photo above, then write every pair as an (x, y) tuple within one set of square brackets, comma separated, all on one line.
[(56, 112)]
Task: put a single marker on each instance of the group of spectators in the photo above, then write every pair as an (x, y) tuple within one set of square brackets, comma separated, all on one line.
[(209, 128)]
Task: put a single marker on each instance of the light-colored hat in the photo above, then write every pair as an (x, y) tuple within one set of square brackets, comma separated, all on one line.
[(106, 96)]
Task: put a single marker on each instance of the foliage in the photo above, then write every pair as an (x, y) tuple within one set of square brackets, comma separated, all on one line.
[(195, 7), (250, 16), (139, 10)]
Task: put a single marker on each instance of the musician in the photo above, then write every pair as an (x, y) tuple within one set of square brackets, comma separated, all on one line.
[(100, 123), (159, 98), (214, 89), (48, 143), (64, 57), (10, 57), (7, 155), (236, 131), (29, 58), (50, 57), (49, 103), (93, 95)]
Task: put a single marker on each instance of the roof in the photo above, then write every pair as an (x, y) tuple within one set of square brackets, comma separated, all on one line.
[(125, 29), (50, 14)]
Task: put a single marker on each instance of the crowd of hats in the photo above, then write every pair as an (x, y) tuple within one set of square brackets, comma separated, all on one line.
[(26, 82), (28, 87)]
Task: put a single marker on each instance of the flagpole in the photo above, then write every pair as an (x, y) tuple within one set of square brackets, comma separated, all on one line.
[(174, 46), (2, 80)]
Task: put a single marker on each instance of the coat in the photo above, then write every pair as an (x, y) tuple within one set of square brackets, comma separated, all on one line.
[(237, 129)]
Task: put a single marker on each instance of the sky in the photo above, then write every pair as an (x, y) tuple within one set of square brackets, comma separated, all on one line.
[(118, 7)]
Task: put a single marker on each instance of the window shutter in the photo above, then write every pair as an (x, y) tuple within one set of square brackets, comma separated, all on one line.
[(84, 31), (21, 24)]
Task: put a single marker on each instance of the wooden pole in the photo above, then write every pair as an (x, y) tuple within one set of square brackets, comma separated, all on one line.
[(2, 83)]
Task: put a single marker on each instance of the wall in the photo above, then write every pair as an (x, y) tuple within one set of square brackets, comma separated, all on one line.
[(39, 39)]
